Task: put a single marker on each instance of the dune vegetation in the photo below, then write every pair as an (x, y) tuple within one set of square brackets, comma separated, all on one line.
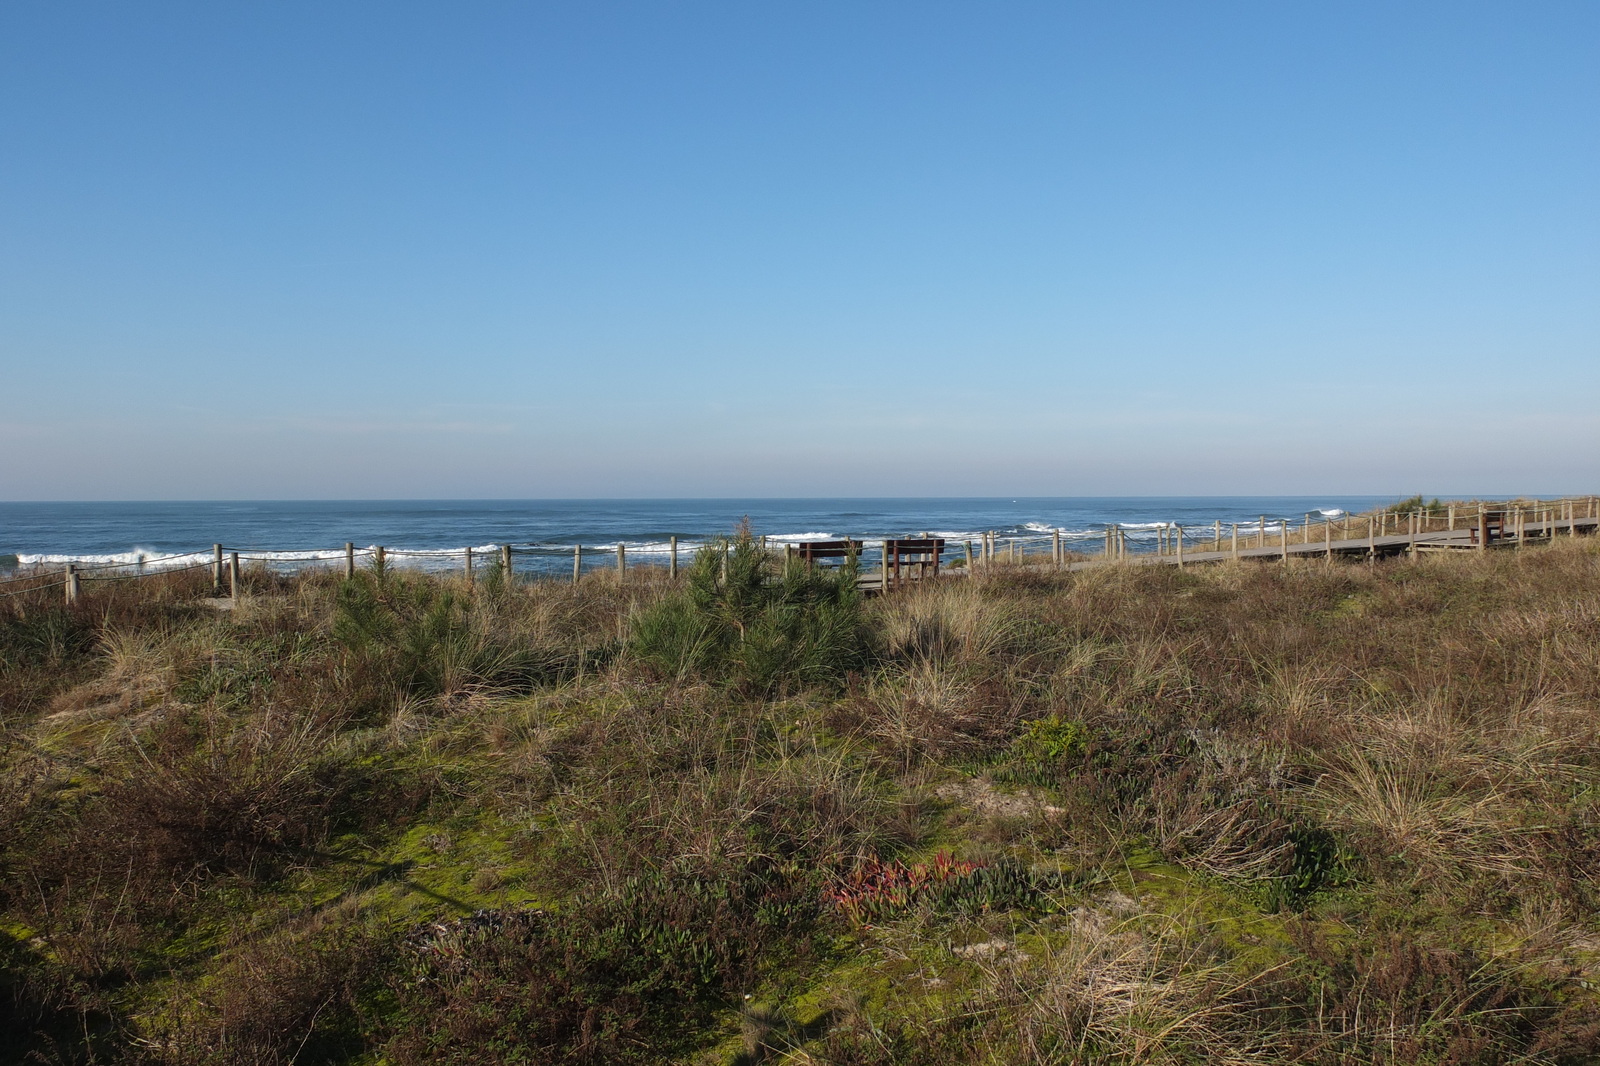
[(1322, 812)]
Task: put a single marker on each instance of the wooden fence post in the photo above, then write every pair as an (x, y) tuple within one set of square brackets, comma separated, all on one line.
[(1327, 541), (380, 557), (1372, 539), (469, 568), (577, 562), (1055, 547), (506, 572), (216, 570), (1236, 542), (349, 559), (622, 559), (883, 579), (69, 581), (672, 564), (1483, 529), (1285, 540), (233, 577), (1179, 542), (968, 545)]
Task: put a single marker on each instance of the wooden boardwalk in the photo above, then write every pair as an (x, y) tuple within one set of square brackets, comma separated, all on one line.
[(1389, 544), (1525, 531)]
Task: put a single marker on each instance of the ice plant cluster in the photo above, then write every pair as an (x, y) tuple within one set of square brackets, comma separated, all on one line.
[(875, 888)]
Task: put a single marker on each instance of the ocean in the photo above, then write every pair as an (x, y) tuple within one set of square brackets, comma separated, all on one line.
[(433, 534)]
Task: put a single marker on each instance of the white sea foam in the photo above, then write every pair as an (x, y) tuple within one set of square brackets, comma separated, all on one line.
[(132, 560)]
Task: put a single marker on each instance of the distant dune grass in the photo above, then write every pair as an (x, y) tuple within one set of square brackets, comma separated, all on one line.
[(1323, 813)]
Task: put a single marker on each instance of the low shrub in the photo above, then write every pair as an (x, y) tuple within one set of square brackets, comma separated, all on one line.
[(750, 620)]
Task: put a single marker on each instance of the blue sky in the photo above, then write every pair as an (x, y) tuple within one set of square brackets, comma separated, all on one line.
[(480, 250)]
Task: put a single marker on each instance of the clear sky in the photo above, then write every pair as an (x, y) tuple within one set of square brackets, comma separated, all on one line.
[(303, 250)]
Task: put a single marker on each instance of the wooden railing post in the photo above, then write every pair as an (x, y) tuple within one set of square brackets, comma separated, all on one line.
[(1180, 547), (507, 574), (672, 564), (1286, 540), (577, 562), (70, 583), (216, 570), (622, 559), (469, 568), (233, 577), (1235, 542), (349, 559)]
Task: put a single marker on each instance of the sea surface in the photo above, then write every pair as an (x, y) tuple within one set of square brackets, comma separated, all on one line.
[(434, 534)]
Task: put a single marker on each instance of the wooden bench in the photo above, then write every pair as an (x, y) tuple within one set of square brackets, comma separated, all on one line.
[(812, 552), (1493, 528), (920, 552)]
